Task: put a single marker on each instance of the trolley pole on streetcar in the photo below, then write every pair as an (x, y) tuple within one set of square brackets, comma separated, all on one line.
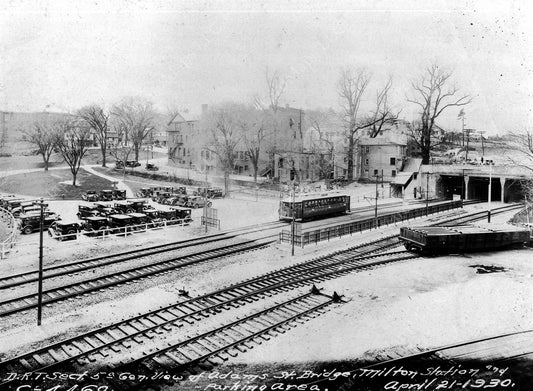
[(40, 280)]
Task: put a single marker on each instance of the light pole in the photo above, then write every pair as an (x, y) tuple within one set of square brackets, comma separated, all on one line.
[(376, 203), (205, 200), (293, 222), (40, 280)]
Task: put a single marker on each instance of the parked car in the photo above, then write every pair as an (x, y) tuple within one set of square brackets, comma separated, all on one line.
[(153, 215), (120, 223), (32, 223), (88, 210), (140, 221), (95, 225), (210, 192), (106, 195), (119, 164), (183, 214), (90, 196), (145, 192), (28, 207), (119, 194), (132, 163), (64, 230), (198, 202), (12, 203), (152, 167), (105, 208), (130, 206)]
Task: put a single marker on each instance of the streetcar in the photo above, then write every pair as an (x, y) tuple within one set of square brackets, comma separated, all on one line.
[(313, 206)]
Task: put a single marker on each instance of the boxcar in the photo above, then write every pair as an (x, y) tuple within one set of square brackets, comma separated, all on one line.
[(311, 206), (458, 239)]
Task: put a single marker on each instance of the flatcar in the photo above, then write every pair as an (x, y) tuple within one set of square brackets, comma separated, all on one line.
[(312, 206), (459, 239)]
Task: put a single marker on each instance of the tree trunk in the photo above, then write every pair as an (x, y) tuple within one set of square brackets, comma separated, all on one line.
[(226, 182), (45, 164), (136, 150), (74, 179), (103, 149), (351, 147)]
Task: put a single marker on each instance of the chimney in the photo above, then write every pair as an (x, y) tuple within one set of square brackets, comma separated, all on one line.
[(204, 108)]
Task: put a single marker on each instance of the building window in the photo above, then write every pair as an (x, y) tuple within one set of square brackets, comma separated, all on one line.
[(366, 162), (392, 161), (393, 173), (367, 149), (375, 172), (415, 175)]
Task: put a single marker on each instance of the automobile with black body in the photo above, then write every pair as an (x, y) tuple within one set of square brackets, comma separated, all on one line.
[(106, 195), (32, 222), (105, 208), (198, 202), (182, 213), (28, 207), (119, 194), (209, 192), (94, 225), (120, 223), (144, 192), (90, 196), (64, 230), (132, 163), (151, 167), (140, 221), (87, 210), (130, 206)]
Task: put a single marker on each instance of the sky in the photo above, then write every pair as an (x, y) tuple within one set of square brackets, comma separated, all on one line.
[(61, 55)]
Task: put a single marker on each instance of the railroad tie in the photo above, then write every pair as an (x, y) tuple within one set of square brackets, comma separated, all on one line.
[(39, 360), (56, 356)]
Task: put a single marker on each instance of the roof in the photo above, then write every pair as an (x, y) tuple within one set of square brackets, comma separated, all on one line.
[(412, 164), (313, 196), (120, 217), (136, 214), (401, 178)]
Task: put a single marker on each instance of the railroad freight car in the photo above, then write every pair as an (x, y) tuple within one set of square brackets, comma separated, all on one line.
[(459, 239), (312, 206)]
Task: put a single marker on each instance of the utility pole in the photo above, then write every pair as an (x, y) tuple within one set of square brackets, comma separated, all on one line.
[(427, 193), (293, 222), (376, 204), (40, 280), (205, 200), (490, 193)]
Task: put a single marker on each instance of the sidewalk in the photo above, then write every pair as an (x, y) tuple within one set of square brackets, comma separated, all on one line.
[(119, 183)]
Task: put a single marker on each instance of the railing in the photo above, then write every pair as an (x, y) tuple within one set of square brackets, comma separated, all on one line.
[(122, 231), (319, 235), (7, 218)]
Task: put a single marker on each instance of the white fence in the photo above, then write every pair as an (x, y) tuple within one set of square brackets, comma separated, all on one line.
[(122, 231), (9, 221)]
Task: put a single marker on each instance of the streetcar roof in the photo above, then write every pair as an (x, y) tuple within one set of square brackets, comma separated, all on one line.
[(313, 196)]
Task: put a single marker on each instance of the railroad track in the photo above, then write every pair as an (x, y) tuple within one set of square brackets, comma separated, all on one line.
[(476, 216), (169, 318), (65, 291), (227, 338), (96, 262)]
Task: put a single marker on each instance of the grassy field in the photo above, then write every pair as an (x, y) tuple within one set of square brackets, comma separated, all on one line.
[(56, 184)]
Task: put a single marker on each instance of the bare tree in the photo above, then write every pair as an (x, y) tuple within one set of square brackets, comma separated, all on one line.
[(120, 150), (73, 142), (252, 125), (276, 84), (433, 95), (322, 145), (383, 113), (352, 86), (98, 120), (44, 137), (224, 136), (136, 116)]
